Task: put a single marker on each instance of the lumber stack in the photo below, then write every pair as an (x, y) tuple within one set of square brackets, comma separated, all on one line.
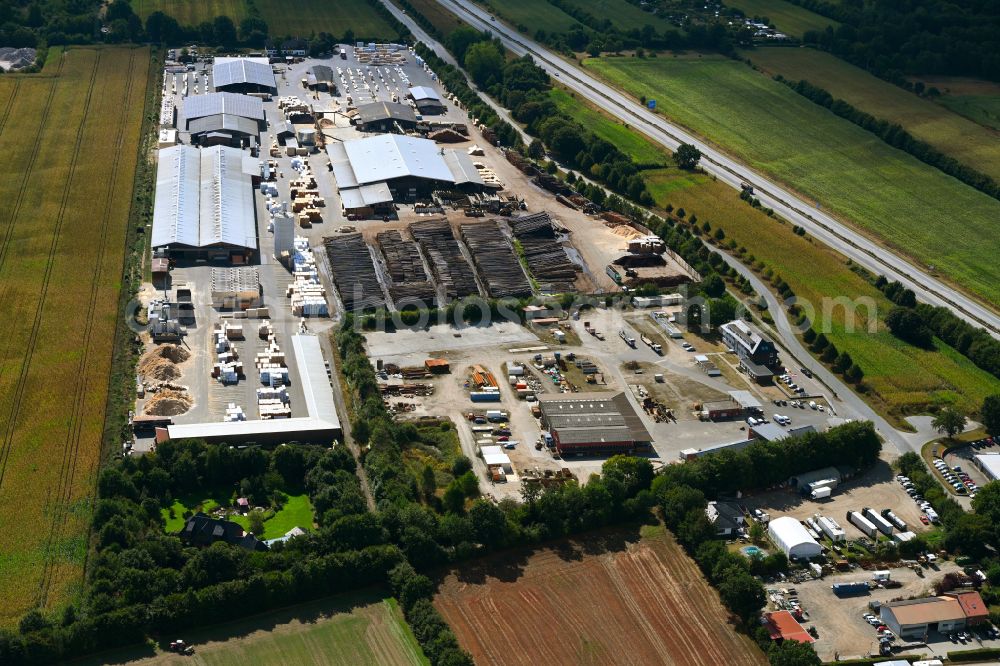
[(445, 256), (546, 257), (499, 269), (354, 272), (410, 281)]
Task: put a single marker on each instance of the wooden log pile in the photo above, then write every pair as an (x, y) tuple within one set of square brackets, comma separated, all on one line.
[(354, 272), (410, 281), (445, 256), (498, 267), (546, 257)]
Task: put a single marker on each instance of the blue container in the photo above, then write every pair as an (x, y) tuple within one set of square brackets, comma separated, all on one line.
[(850, 589), (478, 396), (651, 104)]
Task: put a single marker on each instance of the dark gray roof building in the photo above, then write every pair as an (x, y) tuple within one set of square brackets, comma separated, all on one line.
[(223, 103), (597, 423), (243, 75), (385, 117), (202, 530)]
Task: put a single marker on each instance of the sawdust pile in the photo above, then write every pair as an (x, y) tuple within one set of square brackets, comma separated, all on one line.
[(628, 232), (160, 363), (168, 403)]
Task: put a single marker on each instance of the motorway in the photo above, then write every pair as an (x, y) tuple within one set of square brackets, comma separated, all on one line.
[(821, 226)]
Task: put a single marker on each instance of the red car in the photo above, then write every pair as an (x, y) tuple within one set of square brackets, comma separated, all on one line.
[(925, 520), (503, 438)]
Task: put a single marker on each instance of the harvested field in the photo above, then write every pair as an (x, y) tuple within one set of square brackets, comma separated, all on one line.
[(442, 250), (544, 255), (786, 17), (498, 268), (168, 403), (354, 273), (70, 136), (607, 598), (405, 265)]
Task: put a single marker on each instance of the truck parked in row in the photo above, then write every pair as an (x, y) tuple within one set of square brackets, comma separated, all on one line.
[(629, 340), (883, 525), (863, 524), (655, 346), (894, 519)]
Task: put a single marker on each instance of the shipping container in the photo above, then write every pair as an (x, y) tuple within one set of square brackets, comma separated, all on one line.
[(850, 589), (484, 396)]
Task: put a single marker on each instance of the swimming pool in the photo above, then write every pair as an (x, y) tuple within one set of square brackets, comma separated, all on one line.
[(752, 551)]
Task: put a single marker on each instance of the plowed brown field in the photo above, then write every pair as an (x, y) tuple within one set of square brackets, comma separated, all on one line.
[(612, 599)]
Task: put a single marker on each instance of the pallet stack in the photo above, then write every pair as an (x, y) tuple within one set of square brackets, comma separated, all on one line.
[(307, 294)]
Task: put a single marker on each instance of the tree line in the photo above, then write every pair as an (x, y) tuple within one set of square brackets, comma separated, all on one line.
[(897, 137), (895, 39), (920, 323)]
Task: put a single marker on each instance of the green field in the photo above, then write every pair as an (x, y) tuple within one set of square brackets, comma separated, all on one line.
[(786, 17), (283, 17), (882, 190), (348, 630), (955, 136), (613, 131), (296, 512), (904, 379), (622, 14), (532, 15), (983, 109)]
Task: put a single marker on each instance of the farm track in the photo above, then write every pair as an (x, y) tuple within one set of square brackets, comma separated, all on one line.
[(8, 437), (71, 450)]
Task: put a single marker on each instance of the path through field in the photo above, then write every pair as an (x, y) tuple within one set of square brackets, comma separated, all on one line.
[(70, 136), (610, 599)]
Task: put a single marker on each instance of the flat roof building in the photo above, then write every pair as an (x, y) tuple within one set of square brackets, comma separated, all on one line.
[(593, 423), (321, 426), (427, 100), (244, 75), (204, 203), (770, 432), (790, 536), (989, 463)]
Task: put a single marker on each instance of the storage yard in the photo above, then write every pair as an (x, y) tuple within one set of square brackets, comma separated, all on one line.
[(70, 138), (597, 599)]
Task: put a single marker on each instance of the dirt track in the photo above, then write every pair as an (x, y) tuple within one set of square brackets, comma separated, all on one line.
[(611, 599)]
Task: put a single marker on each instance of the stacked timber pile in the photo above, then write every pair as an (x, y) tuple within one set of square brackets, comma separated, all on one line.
[(546, 257), (445, 257), (498, 267), (406, 269), (353, 272)]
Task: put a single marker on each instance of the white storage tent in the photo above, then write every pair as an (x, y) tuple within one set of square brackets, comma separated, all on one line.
[(789, 535)]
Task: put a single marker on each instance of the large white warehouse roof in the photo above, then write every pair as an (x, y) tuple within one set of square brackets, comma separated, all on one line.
[(204, 197), (789, 535), (229, 71)]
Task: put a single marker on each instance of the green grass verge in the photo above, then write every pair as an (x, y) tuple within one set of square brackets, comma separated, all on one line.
[(626, 140), (299, 17), (882, 190), (952, 134), (786, 17)]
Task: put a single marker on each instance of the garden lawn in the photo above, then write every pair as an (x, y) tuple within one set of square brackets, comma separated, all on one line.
[(296, 512), (910, 205), (786, 17), (952, 134)]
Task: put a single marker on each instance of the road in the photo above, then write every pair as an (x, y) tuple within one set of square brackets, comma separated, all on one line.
[(852, 244)]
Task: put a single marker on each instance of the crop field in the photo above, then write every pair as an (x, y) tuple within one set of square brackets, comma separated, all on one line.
[(955, 136), (622, 14), (283, 17), (533, 15), (975, 99), (440, 18), (629, 142), (910, 205), (350, 630), (72, 133), (610, 597), (786, 17)]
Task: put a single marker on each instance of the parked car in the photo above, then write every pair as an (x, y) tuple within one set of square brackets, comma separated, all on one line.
[(924, 520)]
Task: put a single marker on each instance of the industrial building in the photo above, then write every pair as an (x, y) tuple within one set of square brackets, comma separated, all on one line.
[(769, 432), (321, 77), (386, 117), (782, 626), (953, 611), (989, 463), (757, 354), (593, 423), (427, 100), (790, 536), (224, 104), (321, 426), (244, 75), (740, 403), (204, 204), (381, 169)]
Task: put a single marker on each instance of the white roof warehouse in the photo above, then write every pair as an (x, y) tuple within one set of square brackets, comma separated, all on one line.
[(204, 202)]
